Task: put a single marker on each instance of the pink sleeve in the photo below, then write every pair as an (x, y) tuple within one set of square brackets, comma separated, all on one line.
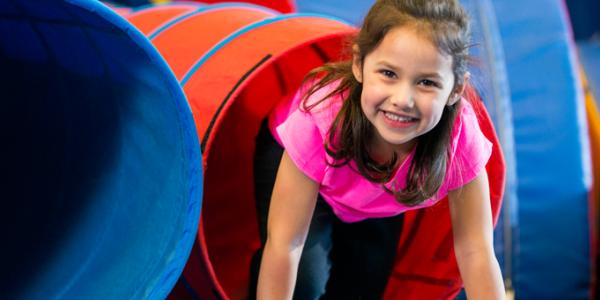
[(304, 144), (471, 149)]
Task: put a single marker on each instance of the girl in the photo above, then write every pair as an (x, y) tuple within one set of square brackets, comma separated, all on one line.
[(375, 136)]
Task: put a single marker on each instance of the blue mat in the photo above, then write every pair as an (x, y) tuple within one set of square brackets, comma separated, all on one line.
[(351, 11), (488, 75), (552, 149)]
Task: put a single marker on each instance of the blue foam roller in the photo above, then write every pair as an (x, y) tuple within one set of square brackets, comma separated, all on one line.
[(552, 150), (489, 76), (350, 11)]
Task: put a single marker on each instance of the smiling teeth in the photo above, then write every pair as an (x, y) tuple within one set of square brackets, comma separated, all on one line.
[(398, 118)]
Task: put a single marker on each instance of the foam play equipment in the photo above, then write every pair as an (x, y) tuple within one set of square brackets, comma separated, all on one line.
[(552, 151), (101, 166), (352, 13), (488, 75)]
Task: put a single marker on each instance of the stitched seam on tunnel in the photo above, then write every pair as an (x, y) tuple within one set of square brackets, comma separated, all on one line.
[(242, 31), (205, 9), (222, 105), (152, 6)]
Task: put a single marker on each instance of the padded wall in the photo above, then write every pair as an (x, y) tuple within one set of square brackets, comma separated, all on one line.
[(488, 75), (552, 150), (352, 13)]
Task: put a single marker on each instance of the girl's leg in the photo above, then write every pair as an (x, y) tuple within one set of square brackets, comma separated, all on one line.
[(362, 258), (313, 270)]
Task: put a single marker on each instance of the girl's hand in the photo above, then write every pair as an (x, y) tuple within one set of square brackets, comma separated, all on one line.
[(473, 239), (290, 212)]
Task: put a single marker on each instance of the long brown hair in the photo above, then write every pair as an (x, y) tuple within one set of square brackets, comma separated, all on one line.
[(447, 25)]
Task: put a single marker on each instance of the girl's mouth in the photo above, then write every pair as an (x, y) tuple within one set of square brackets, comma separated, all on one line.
[(399, 121)]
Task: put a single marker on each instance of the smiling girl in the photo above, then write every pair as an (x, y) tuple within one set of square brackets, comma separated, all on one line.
[(364, 141)]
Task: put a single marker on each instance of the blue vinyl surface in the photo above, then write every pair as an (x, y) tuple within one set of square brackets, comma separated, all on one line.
[(488, 75), (552, 150), (350, 11), (101, 161)]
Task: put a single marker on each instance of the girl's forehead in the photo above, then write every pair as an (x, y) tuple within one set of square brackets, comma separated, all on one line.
[(407, 47)]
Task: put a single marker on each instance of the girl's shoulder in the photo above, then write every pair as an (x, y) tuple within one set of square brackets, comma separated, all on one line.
[(303, 132), (321, 105), (321, 99), (470, 149), (466, 126)]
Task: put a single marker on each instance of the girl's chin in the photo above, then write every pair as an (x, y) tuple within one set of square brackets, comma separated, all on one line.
[(399, 143)]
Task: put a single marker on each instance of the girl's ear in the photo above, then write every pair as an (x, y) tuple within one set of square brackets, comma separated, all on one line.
[(458, 90), (356, 64)]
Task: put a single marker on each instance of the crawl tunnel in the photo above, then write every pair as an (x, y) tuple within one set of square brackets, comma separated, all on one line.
[(235, 73), (554, 260), (101, 165)]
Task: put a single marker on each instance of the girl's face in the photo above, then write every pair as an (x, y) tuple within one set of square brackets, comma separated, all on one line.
[(406, 84)]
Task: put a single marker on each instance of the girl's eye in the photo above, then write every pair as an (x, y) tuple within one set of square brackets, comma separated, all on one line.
[(388, 73), (429, 83)]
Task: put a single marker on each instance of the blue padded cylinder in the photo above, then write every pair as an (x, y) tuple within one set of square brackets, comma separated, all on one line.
[(351, 11), (101, 163), (552, 149), (489, 76)]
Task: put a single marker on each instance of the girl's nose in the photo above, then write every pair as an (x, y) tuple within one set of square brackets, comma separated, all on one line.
[(403, 99)]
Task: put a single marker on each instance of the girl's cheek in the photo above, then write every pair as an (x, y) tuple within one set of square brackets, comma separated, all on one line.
[(378, 90)]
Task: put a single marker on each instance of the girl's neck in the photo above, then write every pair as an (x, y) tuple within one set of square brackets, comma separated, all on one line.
[(382, 152)]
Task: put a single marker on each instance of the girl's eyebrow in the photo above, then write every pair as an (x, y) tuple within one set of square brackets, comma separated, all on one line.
[(433, 75), (387, 65)]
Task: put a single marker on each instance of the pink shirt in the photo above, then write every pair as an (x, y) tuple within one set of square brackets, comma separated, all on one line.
[(352, 197)]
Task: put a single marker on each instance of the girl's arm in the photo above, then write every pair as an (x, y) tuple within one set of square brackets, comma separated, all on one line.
[(290, 212), (473, 240)]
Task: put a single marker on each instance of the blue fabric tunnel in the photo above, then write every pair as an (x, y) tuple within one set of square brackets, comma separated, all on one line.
[(101, 163)]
